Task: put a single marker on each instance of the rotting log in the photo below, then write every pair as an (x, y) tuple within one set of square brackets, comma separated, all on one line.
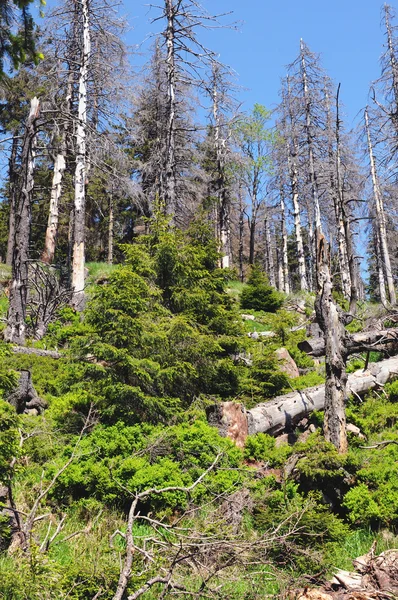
[(384, 340), (284, 412)]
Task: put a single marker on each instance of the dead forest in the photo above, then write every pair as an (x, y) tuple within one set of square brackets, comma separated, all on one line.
[(198, 316)]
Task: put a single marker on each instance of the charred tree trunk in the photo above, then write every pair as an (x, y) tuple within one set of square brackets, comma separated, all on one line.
[(16, 328), (334, 333)]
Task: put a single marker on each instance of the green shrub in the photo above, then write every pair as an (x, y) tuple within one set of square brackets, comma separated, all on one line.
[(259, 295)]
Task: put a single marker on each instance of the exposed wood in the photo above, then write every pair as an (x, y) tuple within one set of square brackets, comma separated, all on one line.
[(386, 339), (334, 334), (78, 260), (284, 412), (16, 328)]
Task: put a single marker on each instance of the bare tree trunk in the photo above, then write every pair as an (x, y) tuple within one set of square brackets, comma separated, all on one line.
[(78, 262), (343, 212), (285, 261), (12, 172), (110, 229), (334, 332), (297, 225), (16, 329), (308, 126), (252, 237), (223, 205), (52, 225), (241, 234), (270, 267), (380, 270), (381, 238), (170, 183)]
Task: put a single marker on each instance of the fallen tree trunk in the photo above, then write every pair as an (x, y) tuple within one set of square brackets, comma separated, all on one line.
[(357, 342), (284, 412), (35, 351)]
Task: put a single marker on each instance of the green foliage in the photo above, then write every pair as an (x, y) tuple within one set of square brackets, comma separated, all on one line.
[(261, 447), (9, 439), (259, 295)]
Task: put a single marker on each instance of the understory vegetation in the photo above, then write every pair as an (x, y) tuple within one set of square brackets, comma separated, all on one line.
[(162, 339)]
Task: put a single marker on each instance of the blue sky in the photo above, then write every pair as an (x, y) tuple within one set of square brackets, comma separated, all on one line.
[(347, 33)]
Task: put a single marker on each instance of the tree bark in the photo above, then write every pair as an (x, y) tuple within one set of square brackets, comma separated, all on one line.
[(344, 215), (170, 166), (284, 412), (53, 216), (334, 334), (16, 329), (269, 257), (110, 229), (13, 178), (241, 234), (285, 260), (78, 260), (381, 237), (356, 342)]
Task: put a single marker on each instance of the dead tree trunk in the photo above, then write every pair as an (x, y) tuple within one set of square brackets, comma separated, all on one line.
[(283, 413), (334, 333), (381, 237), (16, 328), (170, 166), (269, 257), (344, 213), (386, 340), (78, 260), (13, 178), (241, 234), (285, 261)]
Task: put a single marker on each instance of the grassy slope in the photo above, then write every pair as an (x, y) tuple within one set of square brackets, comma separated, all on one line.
[(90, 552)]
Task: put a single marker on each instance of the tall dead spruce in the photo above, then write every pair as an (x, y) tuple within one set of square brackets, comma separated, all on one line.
[(16, 329), (187, 60), (333, 329)]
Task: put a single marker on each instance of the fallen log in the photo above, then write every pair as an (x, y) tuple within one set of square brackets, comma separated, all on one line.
[(284, 412), (356, 342), (35, 352)]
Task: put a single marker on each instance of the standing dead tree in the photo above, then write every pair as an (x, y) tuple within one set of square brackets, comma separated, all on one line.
[(16, 327), (330, 321), (186, 59)]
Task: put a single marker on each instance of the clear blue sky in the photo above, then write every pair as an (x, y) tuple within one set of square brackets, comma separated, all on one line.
[(347, 33)]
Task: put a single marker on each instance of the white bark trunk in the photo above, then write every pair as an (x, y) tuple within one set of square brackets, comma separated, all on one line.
[(78, 260), (53, 216), (170, 167), (297, 225), (270, 266), (381, 237), (285, 261)]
